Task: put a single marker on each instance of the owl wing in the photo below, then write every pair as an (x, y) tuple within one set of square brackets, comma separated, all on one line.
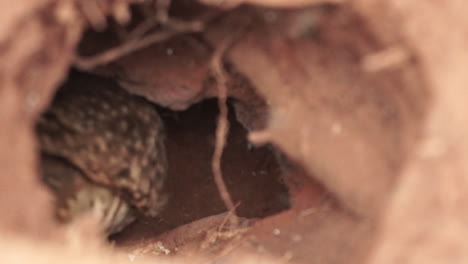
[(114, 138)]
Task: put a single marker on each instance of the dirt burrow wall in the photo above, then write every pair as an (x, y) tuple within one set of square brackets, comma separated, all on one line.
[(368, 98)]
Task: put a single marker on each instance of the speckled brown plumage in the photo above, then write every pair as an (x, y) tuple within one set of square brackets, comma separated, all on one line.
[(114, 139)]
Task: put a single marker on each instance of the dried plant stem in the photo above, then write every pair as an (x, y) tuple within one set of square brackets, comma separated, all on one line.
[(93, 13), (222, 128), (120, 51), (136, 40)]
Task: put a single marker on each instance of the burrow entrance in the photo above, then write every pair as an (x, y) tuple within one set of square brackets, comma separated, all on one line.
[(338, 107)]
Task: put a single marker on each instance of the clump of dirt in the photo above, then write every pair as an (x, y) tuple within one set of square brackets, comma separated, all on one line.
[(359, 105)]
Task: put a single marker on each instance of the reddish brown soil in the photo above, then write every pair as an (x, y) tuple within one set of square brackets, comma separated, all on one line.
[(252, 174), (366, 98)]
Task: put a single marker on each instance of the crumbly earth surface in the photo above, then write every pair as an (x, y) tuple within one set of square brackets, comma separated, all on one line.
[(103, 150)]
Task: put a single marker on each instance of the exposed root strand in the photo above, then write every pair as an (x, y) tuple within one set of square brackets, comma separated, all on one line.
[(222, 128)]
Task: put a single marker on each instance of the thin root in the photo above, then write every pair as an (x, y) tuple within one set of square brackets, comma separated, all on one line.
[(222, 128), (118, 52), (137, 40)]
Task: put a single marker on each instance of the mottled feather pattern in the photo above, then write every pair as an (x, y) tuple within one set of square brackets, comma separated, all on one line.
[(114, 138)]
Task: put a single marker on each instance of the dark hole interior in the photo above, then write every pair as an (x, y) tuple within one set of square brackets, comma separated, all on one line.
[(252, 174)]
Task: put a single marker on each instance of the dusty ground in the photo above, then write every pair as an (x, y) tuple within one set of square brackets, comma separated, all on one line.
[(365, 99)]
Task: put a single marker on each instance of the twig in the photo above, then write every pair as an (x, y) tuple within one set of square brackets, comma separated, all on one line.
[(142, 29), (222, 128), (161, 16), (135, 40), (162, 10), (170, 23), (388, 58), (88, 63), (226, 218), (229, 4), (93, 14)]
